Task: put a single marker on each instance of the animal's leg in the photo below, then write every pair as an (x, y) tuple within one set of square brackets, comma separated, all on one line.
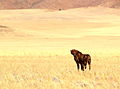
[(85, 64), (82, 67), (89, 63), (77, 65)]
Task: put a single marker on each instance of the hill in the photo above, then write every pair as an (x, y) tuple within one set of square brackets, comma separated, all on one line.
[(56, 4)]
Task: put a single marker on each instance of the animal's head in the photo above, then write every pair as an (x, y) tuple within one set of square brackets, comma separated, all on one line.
[(74, 52)]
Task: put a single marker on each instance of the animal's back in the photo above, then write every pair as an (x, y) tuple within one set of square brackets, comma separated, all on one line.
[(87, 56)]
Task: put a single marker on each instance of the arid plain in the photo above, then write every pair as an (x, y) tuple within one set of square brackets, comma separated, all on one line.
[(35, 48)]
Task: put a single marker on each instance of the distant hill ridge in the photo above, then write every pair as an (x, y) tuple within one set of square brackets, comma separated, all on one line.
[(56, 4)]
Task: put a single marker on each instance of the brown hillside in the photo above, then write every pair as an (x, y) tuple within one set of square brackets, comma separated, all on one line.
[(56, 4)]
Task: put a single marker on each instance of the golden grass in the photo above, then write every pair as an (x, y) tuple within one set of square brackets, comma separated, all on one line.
[(58, 72)]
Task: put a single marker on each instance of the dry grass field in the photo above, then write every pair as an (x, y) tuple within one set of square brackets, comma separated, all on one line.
[(35, 48)]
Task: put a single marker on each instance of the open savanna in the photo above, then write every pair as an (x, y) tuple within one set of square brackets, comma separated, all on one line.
[(35, 48)]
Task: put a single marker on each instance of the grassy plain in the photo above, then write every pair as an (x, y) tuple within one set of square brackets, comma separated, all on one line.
[(35, 44)]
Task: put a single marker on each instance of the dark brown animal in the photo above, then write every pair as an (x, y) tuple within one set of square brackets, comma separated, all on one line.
[(81, 59)]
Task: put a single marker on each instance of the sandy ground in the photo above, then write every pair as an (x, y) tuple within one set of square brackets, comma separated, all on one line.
[(35, 44)]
